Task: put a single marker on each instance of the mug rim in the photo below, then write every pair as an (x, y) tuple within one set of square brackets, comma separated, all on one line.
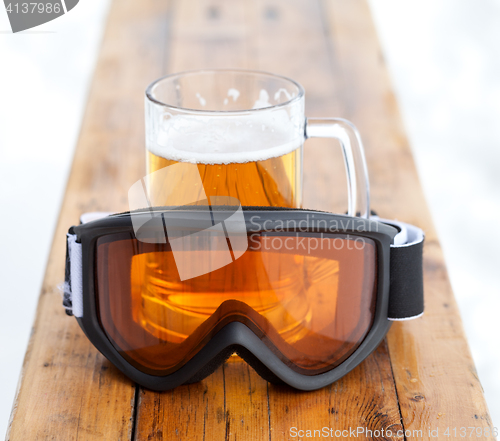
[(150, 94)]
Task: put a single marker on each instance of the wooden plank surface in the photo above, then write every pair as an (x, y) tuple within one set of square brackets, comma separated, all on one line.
[(422, 377), (437, 383)]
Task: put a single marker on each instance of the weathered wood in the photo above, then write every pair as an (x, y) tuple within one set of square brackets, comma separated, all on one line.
[(362, 400), (437, 383), (421, 378), (68, 391)]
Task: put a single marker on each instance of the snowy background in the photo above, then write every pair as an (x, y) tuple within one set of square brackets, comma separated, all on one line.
[(444, 58)]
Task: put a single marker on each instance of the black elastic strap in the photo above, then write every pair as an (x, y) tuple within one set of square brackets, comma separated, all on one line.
[(407, 287), (406, 299)]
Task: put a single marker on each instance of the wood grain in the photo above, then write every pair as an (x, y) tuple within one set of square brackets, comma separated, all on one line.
[(421, 378), (68, 391), (437, 384)]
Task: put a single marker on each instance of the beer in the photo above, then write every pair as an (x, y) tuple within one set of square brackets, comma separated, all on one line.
[(256, 176), (273, 182), (258, 163), (246, 147)]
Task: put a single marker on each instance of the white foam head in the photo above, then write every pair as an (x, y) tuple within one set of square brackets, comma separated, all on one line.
[(225, 138)]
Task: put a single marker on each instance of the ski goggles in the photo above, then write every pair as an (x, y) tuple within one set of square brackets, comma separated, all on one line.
[(167, 295)]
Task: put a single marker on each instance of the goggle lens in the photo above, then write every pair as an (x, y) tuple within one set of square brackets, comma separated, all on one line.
[(310, 297)]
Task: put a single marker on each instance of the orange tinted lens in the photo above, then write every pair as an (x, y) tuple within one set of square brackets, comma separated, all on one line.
[(310, 298)]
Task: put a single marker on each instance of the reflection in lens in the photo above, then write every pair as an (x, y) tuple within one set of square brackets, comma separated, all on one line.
[(309, 297)]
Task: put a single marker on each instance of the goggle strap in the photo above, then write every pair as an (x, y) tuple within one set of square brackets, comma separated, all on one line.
[(406, 299), (73, 285), (72, 289)]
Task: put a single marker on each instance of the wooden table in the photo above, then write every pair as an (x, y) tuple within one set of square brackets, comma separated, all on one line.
[(421, 377)]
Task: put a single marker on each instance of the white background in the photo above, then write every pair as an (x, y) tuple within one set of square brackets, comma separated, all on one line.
[(444, 58)]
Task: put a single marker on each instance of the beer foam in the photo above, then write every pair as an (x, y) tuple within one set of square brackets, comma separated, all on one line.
[(263, 100), (226, 139), (233, 93)]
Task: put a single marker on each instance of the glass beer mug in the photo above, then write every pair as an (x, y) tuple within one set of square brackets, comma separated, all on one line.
[(244, 132)]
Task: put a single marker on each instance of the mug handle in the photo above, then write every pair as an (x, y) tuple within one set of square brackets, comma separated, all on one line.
[(358, 187)]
